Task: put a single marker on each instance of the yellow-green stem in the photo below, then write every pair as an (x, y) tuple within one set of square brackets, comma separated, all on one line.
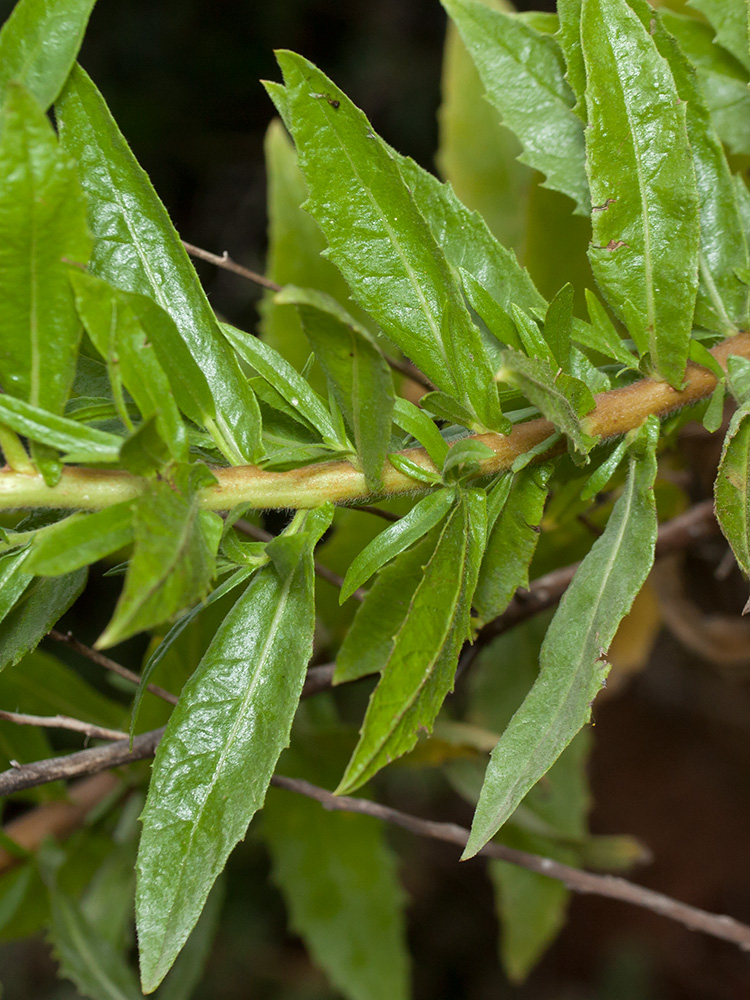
[(616, 412)]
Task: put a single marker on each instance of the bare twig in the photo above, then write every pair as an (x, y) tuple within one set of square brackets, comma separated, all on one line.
[(63, 722), (320, 570), (226, 262), (410, 371), (104, 661), (370, 509), (610, 886), (318, 679)]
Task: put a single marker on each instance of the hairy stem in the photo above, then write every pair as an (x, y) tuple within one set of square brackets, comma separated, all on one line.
[(616, 412)]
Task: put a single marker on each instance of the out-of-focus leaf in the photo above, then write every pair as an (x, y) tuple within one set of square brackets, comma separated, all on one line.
[(477, 154), (729, 20), (42, 229), (132, 358), (39, 43), (572, 665), (78, 442), (523, 73), (722, 303), (645, 219), (173, 561), (87, 958), (723, 79), (80, 540), (422, 662), (45, 601), (560, 397), (368, 644), (340, 884), (281, 376), (511, 542), (379, 239), (145, 255), (732, 487), (357, 372), (224, 737), (389, 543)]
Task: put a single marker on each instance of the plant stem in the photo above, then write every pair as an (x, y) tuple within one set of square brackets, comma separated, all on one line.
[(616, 412)]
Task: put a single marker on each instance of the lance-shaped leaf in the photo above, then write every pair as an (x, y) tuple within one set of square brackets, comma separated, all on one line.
[(722, 302), (729, 19), (86, 957), (340, 884), (380, 241), (13, 579), (137, 249), (43, 604), (42, 229), (39, 43), (387, 545), (357, 373), (562, 398), (732, 487), (512, 541), (646, 226), (523, 73), (572, 666), (78, 442), (601, 334), (422, 663), (80, 540), (118, 334), (173, 562), (368, 644), (569, 37), (220, 748), (421, 427)]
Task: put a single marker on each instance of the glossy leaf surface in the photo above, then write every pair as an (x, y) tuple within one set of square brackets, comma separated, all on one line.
[(572, 664), (217, 756), (732, 488), (146, 256), (646, 229), (420, 669), (80, 540)]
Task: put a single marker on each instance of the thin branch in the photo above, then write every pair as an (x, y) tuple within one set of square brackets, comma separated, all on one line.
[(104, 661), (409, 370), (225, 261), (377, 511), (609, 886), (63, 722), (260, 535)]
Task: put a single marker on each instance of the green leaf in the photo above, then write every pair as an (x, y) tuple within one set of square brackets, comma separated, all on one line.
[(42, 605), (78, 442), (173, 562), (380, 241), (132, 358), (416, 423), (602, 335), (601, 476), (340, 884), (389, 543), (368, 643), (187, 972), (524, 75), (738, 378), (217, 756), (87, 958), (146, 256), (357, 372), (286, 381), (569, 38), (512, 541), (39, 43), (476, 153), (42, 229), (729, 20), (558, 326), (572, 665), (645, 219), (722, 78), (444, 407), (13, 579), (732, 487), (80, 540), (559, 397), (422, 663), (464, 459)]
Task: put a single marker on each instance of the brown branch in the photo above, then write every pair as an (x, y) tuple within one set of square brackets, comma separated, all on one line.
[(377, 511), (104, 661), (63, 722), (225, 261), (609, 886)]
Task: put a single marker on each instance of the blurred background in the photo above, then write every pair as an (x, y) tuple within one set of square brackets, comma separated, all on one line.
[(672, 756)]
